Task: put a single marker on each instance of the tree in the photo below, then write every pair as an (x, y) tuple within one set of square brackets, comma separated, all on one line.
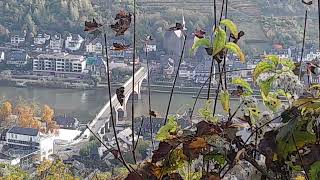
[(54, 170), (6, 110), (8, 172), (47, 118), (47, 114), (26, 117), (102, 176), (142, 147)]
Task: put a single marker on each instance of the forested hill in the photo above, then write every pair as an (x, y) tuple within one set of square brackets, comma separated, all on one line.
[(265, 20)]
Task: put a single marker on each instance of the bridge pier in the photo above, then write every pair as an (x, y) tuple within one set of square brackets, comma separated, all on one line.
[(101, 123)]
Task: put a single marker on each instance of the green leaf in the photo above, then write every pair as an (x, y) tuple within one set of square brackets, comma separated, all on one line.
[(219, 159), (243, 83), (315, 171), (255, 115), (231, 26), (175, 161), (219, 41), (207, 113), (310, 126), (204, 42), (225, 100), (236, 49), (273, 58), (301, 137), (263, 67), (266, 85), (288, 63), (166, 130), (271, 101)]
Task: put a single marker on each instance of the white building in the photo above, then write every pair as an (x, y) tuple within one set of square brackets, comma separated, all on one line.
[(30, 139), (56, 43), (59, 63), (41, 38), (73, 42), (18, 38), (186, 72), (1, 56), (94, 47), (150, 48), (17, 58)]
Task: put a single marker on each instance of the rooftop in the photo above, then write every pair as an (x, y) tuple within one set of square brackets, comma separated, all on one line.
[(65, 120), (93, 60), (16, 55), (61, 56), (24, 131)]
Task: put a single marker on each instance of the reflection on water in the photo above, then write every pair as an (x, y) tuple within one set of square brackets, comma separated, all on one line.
[(85, 104)]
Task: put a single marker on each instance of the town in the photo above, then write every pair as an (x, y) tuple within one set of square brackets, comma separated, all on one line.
[(72, 61)]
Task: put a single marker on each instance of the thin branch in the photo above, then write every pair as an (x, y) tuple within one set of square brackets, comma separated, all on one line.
[(202, 86), (212, 58), (175, 79), (300, 157), (319, 22), (267, 123), (110, 104), (217, 90), (303, 42), (210, 78), (235, 112), (258, 167), (109, 149), (221, 12), (139, 133), (149, 99), (133, 79)]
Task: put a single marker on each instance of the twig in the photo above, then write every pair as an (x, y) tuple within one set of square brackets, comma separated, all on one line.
[(267, 123), (175, 79), (258, 167), (202, 86), (139, 133), (210, 78), (149, 99), (110, 104), (303, 42), (235, 112), (319, 22), (212, 58), (217, 90), (300, 157), (133, 79), (109, 149)]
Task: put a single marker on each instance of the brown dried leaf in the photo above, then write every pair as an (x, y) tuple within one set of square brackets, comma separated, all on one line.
[(194, 147), (206, 128), (162, 151)]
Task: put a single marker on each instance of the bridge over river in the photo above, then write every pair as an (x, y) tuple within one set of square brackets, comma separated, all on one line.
[(101, 122)]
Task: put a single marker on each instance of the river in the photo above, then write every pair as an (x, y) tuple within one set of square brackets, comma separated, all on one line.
[(84, 104)]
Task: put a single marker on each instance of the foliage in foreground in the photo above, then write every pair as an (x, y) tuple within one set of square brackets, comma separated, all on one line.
[(214, 146)]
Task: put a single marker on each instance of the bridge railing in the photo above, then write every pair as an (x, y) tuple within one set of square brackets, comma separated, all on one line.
[(115, 103)]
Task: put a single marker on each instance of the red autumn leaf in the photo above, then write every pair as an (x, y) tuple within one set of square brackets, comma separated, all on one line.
[(206, 128), (194, 147), (161, 152), (123, 23), (120, 95), (199, 33), (177, 27), (152, 113), (91, 26), (175, 176), (120, 46)]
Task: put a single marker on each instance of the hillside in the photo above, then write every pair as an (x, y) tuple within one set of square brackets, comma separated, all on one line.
[(266, 22)]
